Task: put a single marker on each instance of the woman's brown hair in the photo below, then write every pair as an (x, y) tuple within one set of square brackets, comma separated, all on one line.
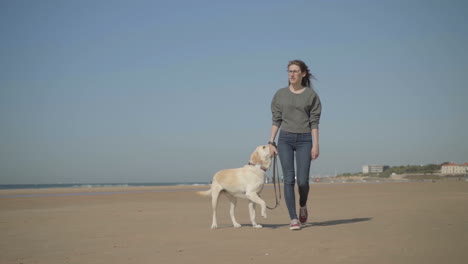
[(306, 81)]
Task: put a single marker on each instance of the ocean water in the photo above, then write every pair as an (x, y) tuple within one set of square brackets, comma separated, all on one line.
[(95, 185), (203, 186)]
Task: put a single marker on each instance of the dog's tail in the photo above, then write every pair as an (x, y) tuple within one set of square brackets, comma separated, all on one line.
[(205, 193)]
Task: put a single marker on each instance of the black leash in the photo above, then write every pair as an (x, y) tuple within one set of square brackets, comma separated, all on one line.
[(276, 178)]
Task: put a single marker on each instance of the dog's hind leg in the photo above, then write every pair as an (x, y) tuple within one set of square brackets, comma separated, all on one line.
[(215, 191), (233, 201), (252, 215)]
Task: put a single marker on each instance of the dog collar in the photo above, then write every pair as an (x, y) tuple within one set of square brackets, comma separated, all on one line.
[(259, 166)]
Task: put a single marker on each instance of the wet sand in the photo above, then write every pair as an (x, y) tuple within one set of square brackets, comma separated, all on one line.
[(413, 222)]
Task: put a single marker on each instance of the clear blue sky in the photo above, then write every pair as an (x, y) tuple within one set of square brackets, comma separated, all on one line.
[(173, 91)]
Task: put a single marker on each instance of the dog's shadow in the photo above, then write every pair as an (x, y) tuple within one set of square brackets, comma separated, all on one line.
[(324, 223)]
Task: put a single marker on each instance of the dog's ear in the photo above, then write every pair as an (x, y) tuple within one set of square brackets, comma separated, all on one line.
[(266, 162), (255, 158)]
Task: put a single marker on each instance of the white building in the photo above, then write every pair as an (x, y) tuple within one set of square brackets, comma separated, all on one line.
[(366, 169), (452, 168)]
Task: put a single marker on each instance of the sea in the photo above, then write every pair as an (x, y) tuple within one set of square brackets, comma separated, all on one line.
[(96, 185), (89, 188)]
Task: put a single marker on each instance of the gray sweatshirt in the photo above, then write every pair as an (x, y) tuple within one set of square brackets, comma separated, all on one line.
[(296, 113)]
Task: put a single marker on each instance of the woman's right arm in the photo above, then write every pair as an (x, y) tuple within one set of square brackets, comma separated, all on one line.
[(274, 131), (277, 120)]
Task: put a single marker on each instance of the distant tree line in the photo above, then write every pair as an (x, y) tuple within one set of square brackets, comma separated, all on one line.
[(411, 169), (408, 169)]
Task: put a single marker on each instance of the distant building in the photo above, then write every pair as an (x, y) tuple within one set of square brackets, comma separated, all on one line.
[(366, 169), (452, 168)]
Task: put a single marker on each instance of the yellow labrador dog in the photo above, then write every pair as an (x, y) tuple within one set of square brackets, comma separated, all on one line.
[(246, 182)]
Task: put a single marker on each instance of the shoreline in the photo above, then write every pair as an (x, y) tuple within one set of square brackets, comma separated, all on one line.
[(58, 191), (122, 189)]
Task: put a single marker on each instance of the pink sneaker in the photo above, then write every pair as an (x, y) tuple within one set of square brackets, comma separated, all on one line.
[(295, 225), (303, 214)]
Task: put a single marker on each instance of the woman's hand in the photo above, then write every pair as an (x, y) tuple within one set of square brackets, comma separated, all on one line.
[(315, 152), (273, 150)]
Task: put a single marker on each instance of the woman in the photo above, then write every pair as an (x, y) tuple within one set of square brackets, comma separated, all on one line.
[(296, 109)]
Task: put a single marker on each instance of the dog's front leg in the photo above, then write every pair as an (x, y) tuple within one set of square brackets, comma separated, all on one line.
[(256, 199), (252, 215)]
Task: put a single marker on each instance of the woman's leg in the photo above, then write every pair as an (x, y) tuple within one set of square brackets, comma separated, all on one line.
[(286, 154), (303, 159)]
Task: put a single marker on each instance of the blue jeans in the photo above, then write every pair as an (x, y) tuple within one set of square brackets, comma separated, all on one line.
[(301, 143)]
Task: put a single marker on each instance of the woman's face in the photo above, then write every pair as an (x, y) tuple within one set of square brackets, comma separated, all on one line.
[(295, 74)]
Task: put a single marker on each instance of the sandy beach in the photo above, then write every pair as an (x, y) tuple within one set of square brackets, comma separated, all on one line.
[(413, 222)]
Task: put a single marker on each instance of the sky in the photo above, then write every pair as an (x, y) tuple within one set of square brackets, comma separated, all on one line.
[(173, 91)]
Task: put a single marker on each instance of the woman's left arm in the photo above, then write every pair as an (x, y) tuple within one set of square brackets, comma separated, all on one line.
[(315, 152), (315, 113)]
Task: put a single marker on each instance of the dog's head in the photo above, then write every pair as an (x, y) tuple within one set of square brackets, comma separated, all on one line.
[(261, 156)]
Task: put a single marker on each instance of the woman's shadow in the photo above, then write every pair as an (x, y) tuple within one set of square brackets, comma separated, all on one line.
[(324, 223)]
